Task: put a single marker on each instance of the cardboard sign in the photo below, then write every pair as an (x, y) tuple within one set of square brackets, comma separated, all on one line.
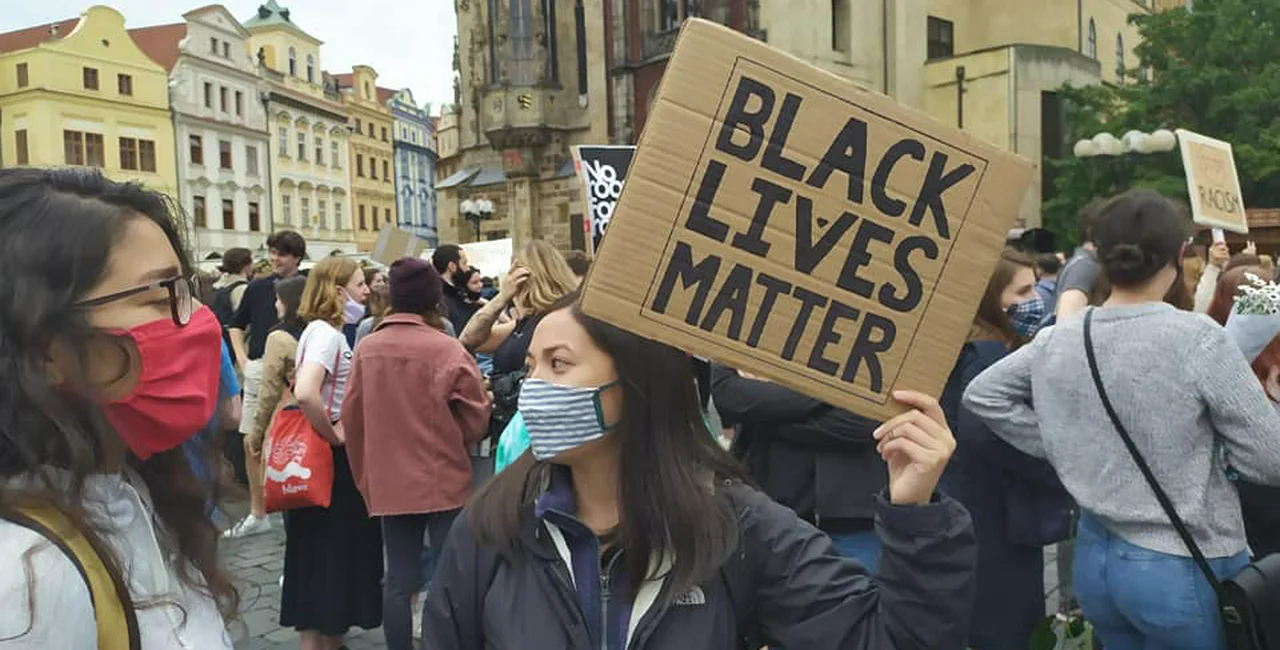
[(1212, 182), (604, 171), (394, 243), (786, 222)]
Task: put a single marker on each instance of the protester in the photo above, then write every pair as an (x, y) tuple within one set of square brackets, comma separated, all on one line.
[(98, 332), (1077, 282), (450, 261), (1192, 406), (277, 371), (237, 270), (414, 405), (816, 459), (378, 304), (257, 315), (1016, 501), (332, 556), (1047, 266), (623, 474)]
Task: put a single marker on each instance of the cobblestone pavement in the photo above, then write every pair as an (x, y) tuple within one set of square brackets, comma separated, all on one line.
[(257, 561)]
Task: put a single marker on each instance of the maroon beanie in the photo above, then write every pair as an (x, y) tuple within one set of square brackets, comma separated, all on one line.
[(415, 286)]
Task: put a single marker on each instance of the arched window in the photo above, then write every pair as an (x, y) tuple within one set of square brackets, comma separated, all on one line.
[(1091, 48), (311, 69), (1120, 58), (367, 94), (293, 62)]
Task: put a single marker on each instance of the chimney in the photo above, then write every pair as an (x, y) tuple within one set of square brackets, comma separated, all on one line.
[(53, 31)]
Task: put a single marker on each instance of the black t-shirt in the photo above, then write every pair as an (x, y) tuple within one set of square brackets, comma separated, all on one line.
[(257, 314)]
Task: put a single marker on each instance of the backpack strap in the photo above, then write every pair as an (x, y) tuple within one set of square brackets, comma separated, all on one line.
[(116, 621), (738, 575)]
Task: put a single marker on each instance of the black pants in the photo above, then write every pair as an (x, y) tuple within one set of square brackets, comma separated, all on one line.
[(402, 542)]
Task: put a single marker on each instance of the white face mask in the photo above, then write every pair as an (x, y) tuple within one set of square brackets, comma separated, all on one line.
[(352, 311), (560, 418)]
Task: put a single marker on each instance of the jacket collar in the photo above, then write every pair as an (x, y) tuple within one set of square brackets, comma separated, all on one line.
[(402, 319)]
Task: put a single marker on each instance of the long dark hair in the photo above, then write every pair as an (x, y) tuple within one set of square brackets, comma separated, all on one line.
[(667, 499), (992, 319), (57, 227), (289, 292)]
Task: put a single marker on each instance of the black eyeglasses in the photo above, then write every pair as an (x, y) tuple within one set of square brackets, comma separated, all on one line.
[(181, 297)]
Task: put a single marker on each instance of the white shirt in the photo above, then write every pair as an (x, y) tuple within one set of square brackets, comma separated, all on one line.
[(43, 594), (323, 344)]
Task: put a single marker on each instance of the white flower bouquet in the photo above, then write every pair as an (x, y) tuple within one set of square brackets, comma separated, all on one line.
[(1255, 317)]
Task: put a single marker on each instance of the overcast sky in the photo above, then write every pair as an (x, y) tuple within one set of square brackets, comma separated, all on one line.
[(409, 42)]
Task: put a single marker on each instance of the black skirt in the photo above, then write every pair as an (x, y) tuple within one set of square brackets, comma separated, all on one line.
[(333, 562)]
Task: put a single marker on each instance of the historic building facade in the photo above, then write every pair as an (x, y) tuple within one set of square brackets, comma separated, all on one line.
[(414, 141), (309, 133), (373, 195), (220, 126), (81, 92), (531, 83)]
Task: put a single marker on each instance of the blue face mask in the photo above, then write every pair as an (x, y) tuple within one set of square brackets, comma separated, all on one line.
[(560, 418), (1027, 316)]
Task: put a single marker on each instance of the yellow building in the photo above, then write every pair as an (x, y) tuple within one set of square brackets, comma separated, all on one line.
[(308, 126), (373, 190), (994, 68), (80, 92)]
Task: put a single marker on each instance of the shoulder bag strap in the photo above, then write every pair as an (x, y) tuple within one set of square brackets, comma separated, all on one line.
[(115, 619), (1163, 498)]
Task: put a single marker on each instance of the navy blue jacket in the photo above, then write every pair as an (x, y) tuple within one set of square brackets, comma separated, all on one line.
[(788, 583)]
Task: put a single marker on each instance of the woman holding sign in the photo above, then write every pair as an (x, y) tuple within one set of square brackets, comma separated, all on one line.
[(627, 526)]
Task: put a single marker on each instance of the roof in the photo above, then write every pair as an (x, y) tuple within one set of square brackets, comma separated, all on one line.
[(344, 79), (30, 37), (161, 42), (458, 178), (272, 14), (385, 94)]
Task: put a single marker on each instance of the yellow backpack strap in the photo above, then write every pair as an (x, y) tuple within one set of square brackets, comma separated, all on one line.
[(112, 606)]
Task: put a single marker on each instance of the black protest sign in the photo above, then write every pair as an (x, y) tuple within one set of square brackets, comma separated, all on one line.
[(801, 228), (604, 171)]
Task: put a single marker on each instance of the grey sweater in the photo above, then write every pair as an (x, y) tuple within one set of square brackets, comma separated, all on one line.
[(1183, 391)]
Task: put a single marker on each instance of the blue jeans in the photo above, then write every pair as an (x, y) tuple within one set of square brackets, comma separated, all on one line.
[(1139, 599), (863, 547)]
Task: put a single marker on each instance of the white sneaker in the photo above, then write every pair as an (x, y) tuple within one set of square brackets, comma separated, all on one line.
[(250, 525)]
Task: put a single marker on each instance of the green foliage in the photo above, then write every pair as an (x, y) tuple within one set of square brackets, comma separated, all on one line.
[(1215, 71)]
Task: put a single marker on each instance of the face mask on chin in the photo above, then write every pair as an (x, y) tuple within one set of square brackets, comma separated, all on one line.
[(352, 311), (177, 388)]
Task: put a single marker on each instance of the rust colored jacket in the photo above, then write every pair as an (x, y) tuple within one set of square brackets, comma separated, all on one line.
[(415, 403)]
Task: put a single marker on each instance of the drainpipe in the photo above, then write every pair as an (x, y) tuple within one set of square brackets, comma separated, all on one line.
[(265, 98), (1080, 26), (884, 39), (960, 78)]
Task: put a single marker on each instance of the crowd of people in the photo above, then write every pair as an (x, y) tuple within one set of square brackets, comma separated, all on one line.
[(653, 499)]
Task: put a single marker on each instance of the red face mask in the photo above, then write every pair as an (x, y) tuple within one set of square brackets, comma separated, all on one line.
[(178, 387)]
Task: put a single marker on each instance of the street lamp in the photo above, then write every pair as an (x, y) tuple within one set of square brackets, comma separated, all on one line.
[(476, 211), (1105, 144)]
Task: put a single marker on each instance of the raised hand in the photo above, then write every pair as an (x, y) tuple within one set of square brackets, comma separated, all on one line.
[(916, 445)]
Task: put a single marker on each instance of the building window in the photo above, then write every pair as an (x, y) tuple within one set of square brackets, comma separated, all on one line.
[(311, 69), (90, 78), (251, 160), (23, 79), (124, 83), (668, 15), (1091, 47), (20, 142), (239, 103), (385, 176), (302, 147), (286, 206), (305, 213), (321, 209), (388, 215), (367, 94), (333, 154), (840, 25), (255, 218), (337, 215), (213, 45), (228, 214), (147, 155), (942, 38), (319, 150), (208, 95), (370, 125), (363, 224), (384, 134), (360, 165), (222, 99), (224, 154), (284, 141), (196, 145), (359, 128), (226, 50), (198, 212), (293, 62), (1120, 58), (129, 153), (373, 168), (73, 147)]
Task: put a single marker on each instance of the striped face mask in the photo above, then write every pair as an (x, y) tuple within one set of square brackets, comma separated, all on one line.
[(560, 418)]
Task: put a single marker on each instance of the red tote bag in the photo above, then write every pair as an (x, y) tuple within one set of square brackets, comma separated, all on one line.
[(299, 464)]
